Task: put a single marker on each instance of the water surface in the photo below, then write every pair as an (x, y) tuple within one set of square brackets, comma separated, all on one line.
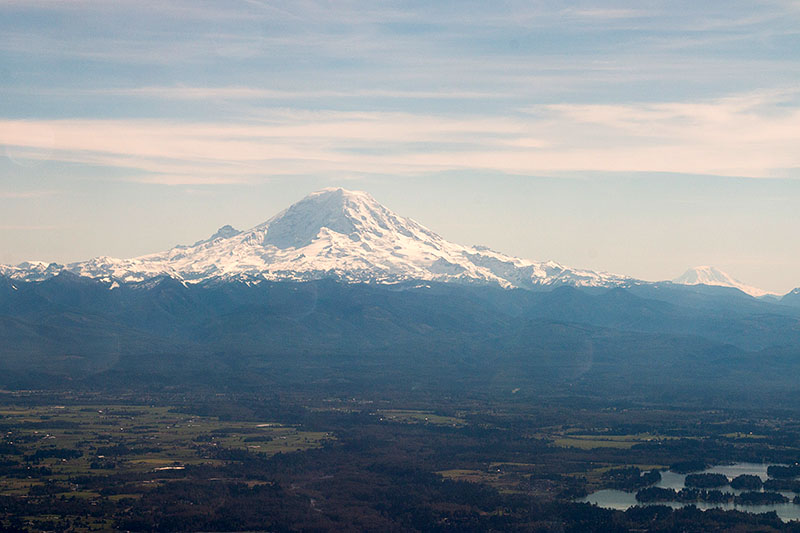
[(621, 500)]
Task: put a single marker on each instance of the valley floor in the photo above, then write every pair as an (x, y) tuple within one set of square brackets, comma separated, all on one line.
[(289, 460)]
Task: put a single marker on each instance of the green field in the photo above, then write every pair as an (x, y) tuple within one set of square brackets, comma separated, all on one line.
[(419, 417), (588, 442)]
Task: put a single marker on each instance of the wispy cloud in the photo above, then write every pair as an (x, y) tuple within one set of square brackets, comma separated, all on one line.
[(751, 135), (605, 13), (254, 93)]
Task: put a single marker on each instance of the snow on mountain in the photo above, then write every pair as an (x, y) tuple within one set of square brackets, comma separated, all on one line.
[(340, 234), (708, 275), (31, 270)]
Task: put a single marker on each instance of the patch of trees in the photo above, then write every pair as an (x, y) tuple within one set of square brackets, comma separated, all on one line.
[(122, 449), (706, 481), (258, 438), (57, 453), (746, 482), (693, 519), (630, 478), (22, 472), (760, 498), (656, 494), (779, 485), (49, 488), (685, 467), (688, 495), (659, 494), (784, 472)]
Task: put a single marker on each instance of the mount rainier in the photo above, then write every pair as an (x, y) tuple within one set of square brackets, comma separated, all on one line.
[(332, 233)]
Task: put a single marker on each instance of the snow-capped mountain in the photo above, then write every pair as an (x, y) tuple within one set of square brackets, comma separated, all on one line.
[(332, 233), (31, 270), (708, 275)]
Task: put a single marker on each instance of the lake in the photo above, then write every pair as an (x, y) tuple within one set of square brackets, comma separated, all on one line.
[(621, 500)]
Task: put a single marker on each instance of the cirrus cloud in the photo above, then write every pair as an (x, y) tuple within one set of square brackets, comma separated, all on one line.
[(749, 135)]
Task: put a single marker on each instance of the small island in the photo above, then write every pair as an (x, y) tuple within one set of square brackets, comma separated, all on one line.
[(760, 498), (706, 481), (659, 494), (631, 478), (784, 472), (747, 482)]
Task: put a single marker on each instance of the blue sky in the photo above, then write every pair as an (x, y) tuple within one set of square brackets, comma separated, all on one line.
[(635, 137)]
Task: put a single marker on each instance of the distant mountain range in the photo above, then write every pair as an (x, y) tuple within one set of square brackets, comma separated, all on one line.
[(346, 236), (338, 293)]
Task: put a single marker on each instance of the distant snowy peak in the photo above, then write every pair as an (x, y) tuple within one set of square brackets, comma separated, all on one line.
[(708, 275), (339, 234), (31, 270)]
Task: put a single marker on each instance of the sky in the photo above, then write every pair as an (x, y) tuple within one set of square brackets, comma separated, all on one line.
[(640, 138)]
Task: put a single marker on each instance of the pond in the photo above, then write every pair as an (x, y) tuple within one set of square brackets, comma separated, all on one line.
[(621, 500)]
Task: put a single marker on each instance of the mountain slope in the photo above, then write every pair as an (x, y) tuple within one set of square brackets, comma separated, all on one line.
[(708, 275), (337, 234), (332, 334), (792, 298)]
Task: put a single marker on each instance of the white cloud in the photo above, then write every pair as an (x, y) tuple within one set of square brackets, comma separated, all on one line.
[(750, 135)]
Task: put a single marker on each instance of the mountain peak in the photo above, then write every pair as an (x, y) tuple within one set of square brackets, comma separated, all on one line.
[(355, 214), (705, 274), (340, 192), (225, 232), (709, 275)]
